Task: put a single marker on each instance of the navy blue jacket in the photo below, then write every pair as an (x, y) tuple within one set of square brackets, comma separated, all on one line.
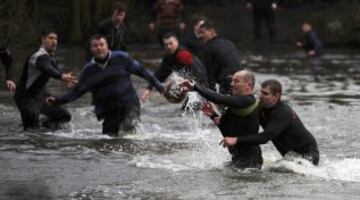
[(109, 83)]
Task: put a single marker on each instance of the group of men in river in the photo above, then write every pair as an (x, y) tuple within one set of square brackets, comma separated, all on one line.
[(215, 62)]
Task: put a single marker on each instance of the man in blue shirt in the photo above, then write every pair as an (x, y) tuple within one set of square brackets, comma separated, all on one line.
[(107, 77)]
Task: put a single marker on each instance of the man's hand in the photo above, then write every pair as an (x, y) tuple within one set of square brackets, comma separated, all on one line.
[(249, 5), (187, 85), (50, 100), (208, 109), (299, 44), (311, 53), (274, 6), (145, 96), (152, 26), (228, 141), (11, 86), (69, 79), (182, 26)]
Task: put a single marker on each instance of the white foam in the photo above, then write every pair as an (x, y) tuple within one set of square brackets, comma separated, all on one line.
[(347, 169)]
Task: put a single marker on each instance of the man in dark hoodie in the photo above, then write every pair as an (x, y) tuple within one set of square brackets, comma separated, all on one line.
[(31, 91), (221, 58), (107, 77)]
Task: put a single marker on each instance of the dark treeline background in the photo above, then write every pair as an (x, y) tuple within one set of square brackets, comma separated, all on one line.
[(337, 21)]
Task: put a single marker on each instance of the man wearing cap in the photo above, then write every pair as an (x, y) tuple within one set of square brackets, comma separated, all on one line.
[(180, 60)]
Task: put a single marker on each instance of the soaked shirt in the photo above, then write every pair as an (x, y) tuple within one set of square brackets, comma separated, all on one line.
[(234, 125), (284, 128), (110, 83)]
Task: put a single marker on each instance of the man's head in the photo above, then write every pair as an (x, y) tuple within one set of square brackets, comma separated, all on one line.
[(270, 92), (243, 83), (98, 46), (197, 22), (171, 43), (118, 13), (207, 31), (306, 27), (49, 40)]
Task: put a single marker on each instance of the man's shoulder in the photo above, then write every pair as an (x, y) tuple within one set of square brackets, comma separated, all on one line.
[(105, 23), (119, 54)]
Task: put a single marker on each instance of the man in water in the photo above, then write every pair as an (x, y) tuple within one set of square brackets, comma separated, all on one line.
[(281, 125), (180, 60), (107, 77), (312, 46), (31, 91), (240, 118), (221, 58), (7, 61)]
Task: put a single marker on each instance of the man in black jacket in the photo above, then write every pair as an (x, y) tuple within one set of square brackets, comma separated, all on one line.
[(7, 61), (239, 119), (221, 58), (281, 125), (31, 91), (113, 28), (263, 10)]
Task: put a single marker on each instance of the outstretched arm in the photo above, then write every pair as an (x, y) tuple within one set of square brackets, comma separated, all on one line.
[(239, 101)]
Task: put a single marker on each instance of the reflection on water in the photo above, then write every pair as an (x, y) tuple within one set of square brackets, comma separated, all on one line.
[(175, 155)]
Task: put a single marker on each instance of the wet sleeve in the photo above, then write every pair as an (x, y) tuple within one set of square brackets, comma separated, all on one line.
[(277, 124), (74, 93), (139, 70), (7, 61), (43, 63), (239, 101)]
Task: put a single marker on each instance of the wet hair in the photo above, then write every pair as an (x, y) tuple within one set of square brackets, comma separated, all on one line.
[(118, 6), (274, 86), (45, 32), (168, 35), (208, 25), (97, 37)]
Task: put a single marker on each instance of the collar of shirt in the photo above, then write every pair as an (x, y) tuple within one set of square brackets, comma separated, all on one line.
[(101, 65)]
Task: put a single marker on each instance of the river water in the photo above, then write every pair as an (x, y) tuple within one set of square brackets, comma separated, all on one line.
[(175, 155)]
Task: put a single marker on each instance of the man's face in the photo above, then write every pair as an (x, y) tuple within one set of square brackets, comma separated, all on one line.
[(306, 28), (197, 29), (118, 17), (50, 42), (171, 44), (205, 34), (99, 48), (239, 84), (267, 99)]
